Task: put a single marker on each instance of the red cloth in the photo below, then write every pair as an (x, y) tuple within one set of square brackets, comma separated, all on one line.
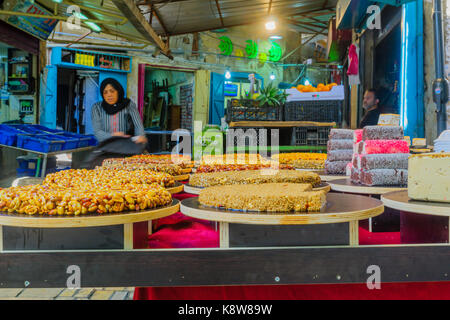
[(393, 291), (353, 63), (180, 231)]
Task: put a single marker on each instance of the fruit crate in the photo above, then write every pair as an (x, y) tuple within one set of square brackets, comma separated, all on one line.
[(247, 110), (318, 111), (310, 136)]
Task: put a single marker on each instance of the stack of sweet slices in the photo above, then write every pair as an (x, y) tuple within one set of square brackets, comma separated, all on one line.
[(381, 157), (353, 170), (339, 150)]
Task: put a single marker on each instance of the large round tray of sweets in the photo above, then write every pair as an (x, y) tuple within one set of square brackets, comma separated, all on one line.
[(339, 208), (179, 187), (88, 220), (196, 190), (346, 185)]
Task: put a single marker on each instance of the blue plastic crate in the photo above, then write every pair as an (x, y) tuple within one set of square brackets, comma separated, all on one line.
[(41, 143), (8, 138), (83, 141), (70, 143), (25, 172), (8, 134), (28, 128), (47, 130), (92, 140), (27, 163)]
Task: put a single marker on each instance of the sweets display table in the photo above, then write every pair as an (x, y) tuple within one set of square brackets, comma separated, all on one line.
[(187, 270), (196, 190), (75, 232), (336, 224), (421, 222), (389, 221)]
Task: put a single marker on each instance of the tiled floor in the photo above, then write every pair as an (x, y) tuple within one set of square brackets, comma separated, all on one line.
[(68, 294)]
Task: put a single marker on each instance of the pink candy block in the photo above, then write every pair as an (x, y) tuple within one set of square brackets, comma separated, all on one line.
[(335, 167), (348, 170), (382, 133), (384, 161), (385, 177), (384, 146), (355, 176), (341, 134), (357, 135), (340, 155), (358, 147), (356, 161), (345, 144)]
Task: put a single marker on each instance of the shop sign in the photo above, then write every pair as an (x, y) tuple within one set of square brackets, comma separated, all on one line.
[(225, 46), (251, 50), (40, 28), (230, 90)]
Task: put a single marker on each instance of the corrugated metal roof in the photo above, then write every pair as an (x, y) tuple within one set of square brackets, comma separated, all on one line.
[(173, 17), (103, 10)]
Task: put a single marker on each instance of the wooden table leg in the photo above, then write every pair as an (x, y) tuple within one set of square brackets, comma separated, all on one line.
[(128, 236), (224, 235), (354, 233), (150, 227)]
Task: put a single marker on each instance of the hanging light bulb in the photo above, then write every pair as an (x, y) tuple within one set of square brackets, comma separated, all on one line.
[(270, 25), (228, 74), (272, 77)]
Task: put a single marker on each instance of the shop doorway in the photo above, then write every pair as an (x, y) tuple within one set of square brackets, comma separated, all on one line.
[(387, 70), (223, 90), (77, 92), (168, 99)]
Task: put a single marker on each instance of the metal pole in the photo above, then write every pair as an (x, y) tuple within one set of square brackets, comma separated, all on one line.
[(440, 86)]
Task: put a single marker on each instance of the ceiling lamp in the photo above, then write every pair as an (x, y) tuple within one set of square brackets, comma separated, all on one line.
[(227, 75), (270, 25), (275, 37)]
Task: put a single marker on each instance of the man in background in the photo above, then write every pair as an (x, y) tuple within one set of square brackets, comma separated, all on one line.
[(372, 108)]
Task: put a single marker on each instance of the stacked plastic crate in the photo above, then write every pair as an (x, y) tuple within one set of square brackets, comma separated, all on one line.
[(42, 139)]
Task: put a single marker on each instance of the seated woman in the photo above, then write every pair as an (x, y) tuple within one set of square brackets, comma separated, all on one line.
[(116, 116)]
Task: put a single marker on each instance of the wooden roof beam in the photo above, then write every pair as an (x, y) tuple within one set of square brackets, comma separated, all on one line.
[(220, 13), (134, 15), (156, 14)]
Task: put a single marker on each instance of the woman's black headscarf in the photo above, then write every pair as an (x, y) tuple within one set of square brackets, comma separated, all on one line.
[(121, 103)]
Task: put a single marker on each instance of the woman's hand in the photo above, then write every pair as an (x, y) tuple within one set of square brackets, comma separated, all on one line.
[(120, 134), (141, 139)]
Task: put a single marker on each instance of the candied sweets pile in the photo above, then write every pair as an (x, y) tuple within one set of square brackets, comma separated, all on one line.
[(48, 200), (237, 167), (100, 176), (139, 164), (270, 197), (380, 157), (180, 160), (253, 177), (339, 150), (290, 158), (234, 158)]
